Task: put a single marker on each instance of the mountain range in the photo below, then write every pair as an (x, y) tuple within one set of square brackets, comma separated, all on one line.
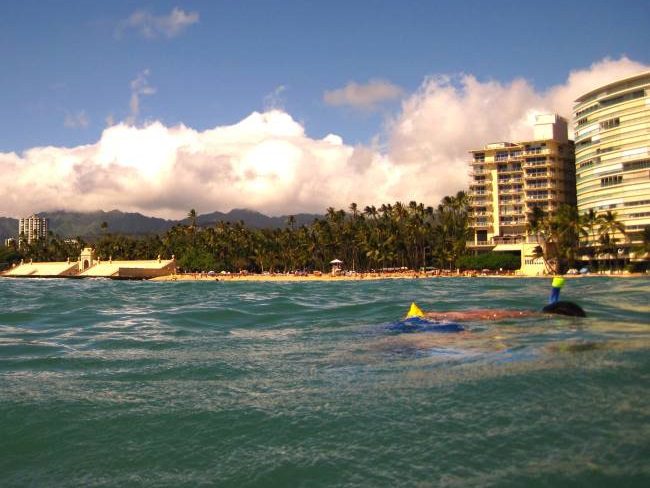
[(88, 224)]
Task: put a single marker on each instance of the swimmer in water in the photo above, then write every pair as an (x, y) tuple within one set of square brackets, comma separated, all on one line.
[(477, 315), (555, 306)]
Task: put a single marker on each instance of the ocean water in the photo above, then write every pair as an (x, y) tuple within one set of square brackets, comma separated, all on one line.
[(119, 383)]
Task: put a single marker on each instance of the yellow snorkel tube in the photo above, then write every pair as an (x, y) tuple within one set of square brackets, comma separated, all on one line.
[(556, 286), (414, 311)]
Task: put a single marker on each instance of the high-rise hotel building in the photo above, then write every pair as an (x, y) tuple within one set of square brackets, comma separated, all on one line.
[(612, 139), (31, 229), (510, 179)]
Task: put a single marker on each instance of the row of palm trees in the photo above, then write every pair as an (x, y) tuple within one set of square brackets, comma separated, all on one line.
[(373, 238), (567, 234), (389, 236)]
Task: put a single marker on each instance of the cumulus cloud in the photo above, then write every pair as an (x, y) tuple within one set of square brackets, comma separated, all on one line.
[(76, 120), (363, 96), (152, 26), (448, 116), (267, 161)]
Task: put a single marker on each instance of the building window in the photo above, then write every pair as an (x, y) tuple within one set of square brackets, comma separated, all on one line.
[(610, 123), (636, 165), (611, 180), (622, 98), (587, 110), (586, 164), (637, 203)]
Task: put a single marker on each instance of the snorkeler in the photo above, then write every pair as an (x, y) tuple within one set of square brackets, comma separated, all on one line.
[(555, 306)]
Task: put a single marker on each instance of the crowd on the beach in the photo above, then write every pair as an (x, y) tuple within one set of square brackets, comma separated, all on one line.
[(397, 273)]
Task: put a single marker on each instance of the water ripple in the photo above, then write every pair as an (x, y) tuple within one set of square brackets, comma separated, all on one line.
[(300, 384)]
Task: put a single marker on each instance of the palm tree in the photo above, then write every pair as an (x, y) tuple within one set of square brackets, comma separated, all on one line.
[(609, 224), (291, 222), (609, 228), (192, 218), (535, 224), (591, 222)]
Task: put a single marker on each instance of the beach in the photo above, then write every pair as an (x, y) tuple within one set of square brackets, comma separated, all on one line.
[(327, 277), (291, 277)]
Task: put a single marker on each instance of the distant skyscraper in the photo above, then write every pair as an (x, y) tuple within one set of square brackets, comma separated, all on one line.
[(612, 137), (31, 229)]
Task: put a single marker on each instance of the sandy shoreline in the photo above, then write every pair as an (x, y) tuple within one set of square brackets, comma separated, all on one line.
[(289, 277), (357, 277)]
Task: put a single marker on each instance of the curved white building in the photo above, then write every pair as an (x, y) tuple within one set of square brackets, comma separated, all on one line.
[(612, 144)]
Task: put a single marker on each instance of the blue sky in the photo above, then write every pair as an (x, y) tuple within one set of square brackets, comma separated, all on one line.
[(62, 58), (286, 106)]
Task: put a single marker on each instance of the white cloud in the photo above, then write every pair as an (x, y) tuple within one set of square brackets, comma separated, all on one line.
[(448, 116), (153, 26), (363, 96), (139, 87), (76, 120), (267, 161), (274, 100)]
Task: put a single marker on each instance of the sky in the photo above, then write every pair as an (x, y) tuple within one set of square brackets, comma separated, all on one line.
[(284, 107)]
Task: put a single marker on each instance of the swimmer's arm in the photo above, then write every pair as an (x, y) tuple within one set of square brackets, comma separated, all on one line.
[(480, 314)]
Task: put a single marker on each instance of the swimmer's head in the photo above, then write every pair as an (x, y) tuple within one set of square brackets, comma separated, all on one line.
[(569, 309)]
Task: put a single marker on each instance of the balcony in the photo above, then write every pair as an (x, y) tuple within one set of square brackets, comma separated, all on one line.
[(530, 176), (514, 239), (479, 244), (532, 152), (509, 240), (538, 197), (537, 164), (509, 169), (539, 186)]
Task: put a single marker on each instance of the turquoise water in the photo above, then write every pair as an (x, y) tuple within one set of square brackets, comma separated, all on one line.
[(106, 383)]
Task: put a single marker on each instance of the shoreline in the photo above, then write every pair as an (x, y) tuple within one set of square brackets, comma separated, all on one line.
[(360, 277)]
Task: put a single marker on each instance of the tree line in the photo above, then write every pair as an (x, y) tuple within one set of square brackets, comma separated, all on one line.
[(600, 237), (395, 235), (390, 236)]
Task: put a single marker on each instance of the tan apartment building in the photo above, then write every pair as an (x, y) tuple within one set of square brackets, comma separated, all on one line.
[(612, 138), (31, 229), (510, 179)]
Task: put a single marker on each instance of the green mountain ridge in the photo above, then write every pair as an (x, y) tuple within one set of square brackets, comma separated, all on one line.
[(89, 224)]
